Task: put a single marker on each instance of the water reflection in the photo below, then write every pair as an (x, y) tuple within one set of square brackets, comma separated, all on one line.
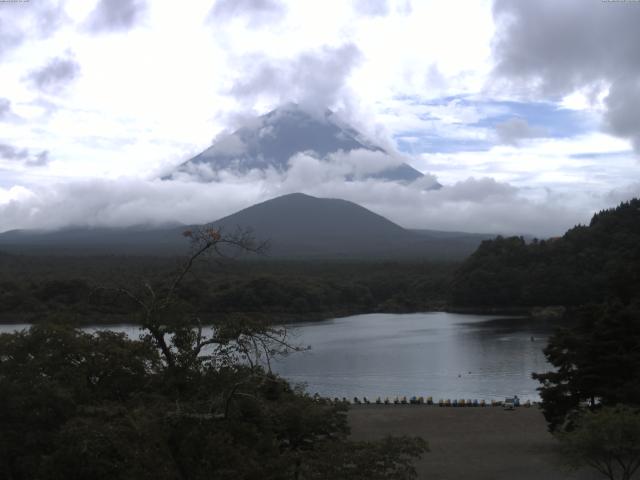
[(439, 354)]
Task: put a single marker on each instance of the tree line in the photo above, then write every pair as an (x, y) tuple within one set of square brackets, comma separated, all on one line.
[(32, 288), (588, 264)]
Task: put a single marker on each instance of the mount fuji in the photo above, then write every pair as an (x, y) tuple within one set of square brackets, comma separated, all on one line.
[(271, 140)]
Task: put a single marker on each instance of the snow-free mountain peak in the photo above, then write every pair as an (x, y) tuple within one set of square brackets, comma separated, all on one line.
[(295, 225)]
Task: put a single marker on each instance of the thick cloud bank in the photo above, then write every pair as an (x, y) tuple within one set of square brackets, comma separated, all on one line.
[(473, 205), (314, 79), (555, 48)]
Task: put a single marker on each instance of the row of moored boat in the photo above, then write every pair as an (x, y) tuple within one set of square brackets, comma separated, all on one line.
[(430, 401)]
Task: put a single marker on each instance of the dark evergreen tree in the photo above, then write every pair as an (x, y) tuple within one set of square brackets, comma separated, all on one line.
[(597, 362), (589, 264)]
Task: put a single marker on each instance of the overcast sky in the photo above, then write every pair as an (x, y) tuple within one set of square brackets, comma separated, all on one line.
[(528, 112)]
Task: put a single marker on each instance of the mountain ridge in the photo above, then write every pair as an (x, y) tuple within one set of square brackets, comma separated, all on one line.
[(296, 225)]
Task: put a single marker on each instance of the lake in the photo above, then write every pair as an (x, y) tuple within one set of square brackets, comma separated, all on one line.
[(437, 354)]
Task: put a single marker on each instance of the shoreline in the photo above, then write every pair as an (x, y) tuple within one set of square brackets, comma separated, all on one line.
[(94, 319)]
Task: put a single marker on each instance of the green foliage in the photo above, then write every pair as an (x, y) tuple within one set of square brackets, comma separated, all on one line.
[(596, 361), (99, 406), (607, 440), (49, 375), (588, 264), (36, 288)]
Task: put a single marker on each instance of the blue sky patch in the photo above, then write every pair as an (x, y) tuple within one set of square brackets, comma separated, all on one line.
[(598, 155), (421, 143), (554, 121), (558, 122)]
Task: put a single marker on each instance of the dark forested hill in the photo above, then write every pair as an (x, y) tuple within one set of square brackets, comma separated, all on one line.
[(296, 226), (588, 264), (302, 226), (136, 240)]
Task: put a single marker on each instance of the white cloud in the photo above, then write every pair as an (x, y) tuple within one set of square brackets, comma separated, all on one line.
[(55, 75), (6, 111), (361, 162), (116, 15), (473, 205), (314, 79), (514, 130), (257, 12), (120, 202), (230, 145), (623, 194), (548, 49), (372, 7), (155, 91), (306, 169), (594, 161), (14, 194)]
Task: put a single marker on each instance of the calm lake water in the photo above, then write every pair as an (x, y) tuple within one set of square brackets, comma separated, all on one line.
[(437, 354)]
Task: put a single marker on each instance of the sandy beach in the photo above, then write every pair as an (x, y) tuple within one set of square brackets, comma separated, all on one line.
[(476, 443)]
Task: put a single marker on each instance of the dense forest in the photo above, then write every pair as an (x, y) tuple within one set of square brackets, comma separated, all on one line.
[(38, 288), (588, 264)]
